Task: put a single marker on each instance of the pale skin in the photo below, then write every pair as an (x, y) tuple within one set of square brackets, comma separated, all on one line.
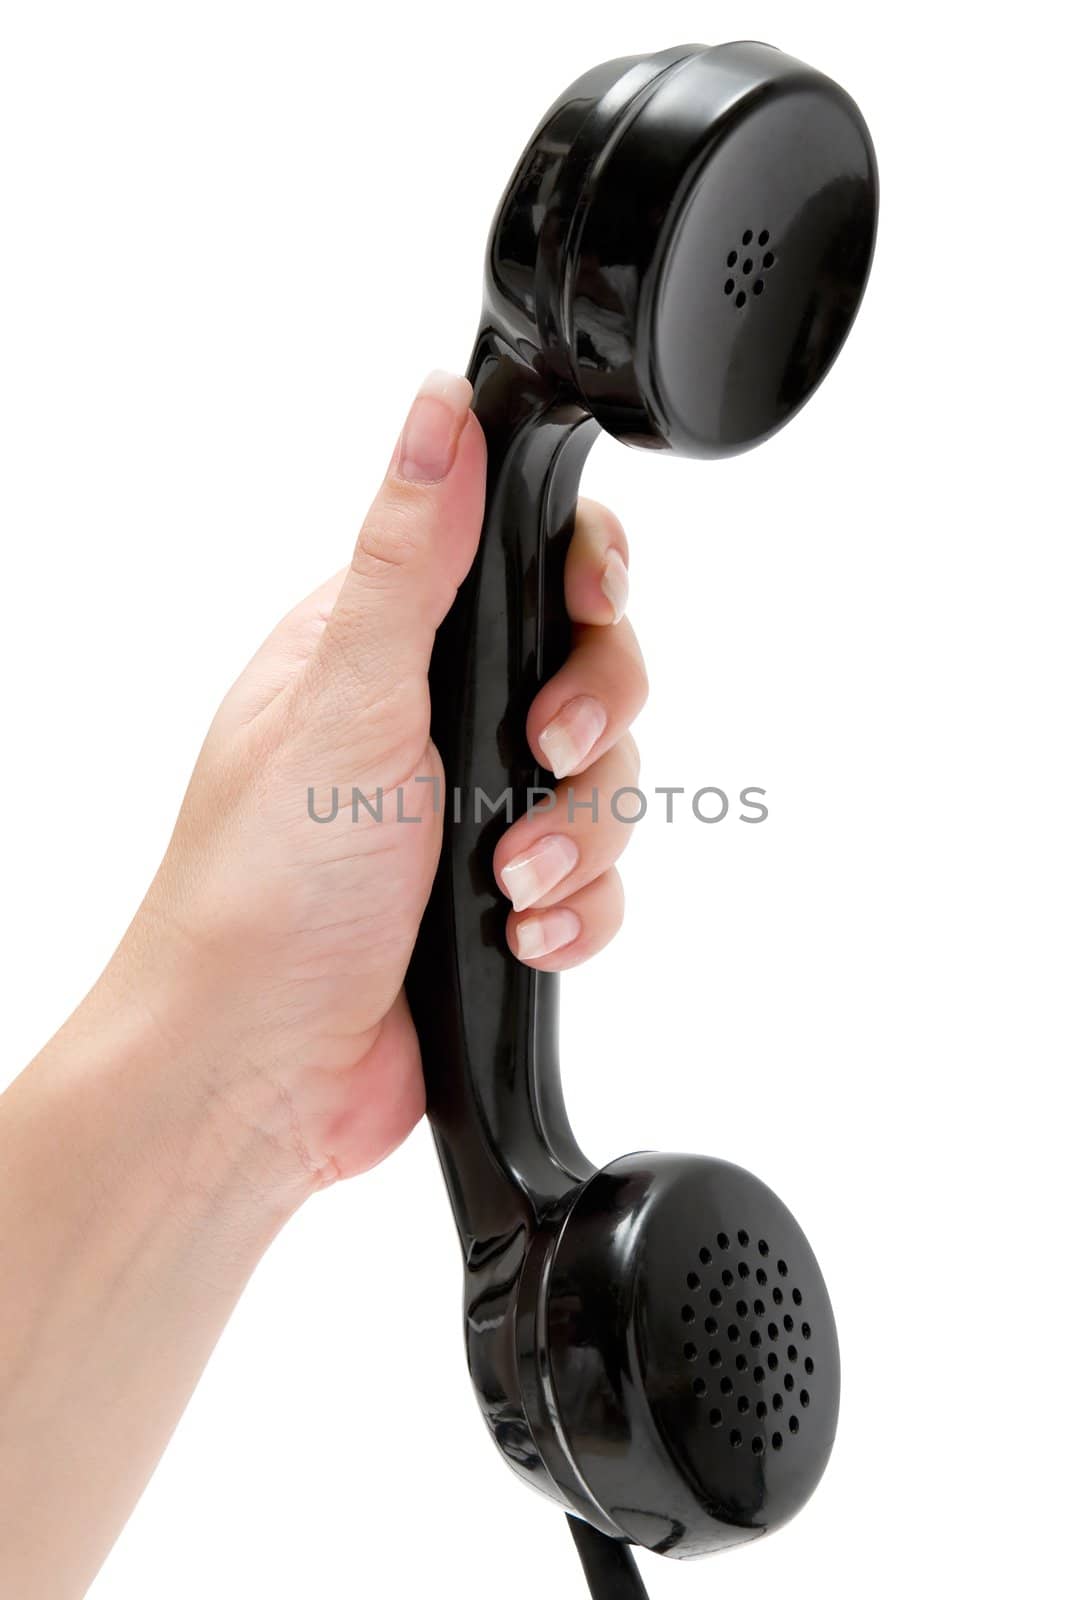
[(249, 1043)]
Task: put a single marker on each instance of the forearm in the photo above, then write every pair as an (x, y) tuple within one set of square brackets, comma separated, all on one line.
[(135, 1206)]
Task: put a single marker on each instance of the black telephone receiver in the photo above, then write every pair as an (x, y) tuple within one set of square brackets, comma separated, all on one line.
[(677, 259)]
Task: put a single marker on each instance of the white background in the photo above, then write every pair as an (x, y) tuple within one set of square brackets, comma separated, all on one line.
[(234, 237)]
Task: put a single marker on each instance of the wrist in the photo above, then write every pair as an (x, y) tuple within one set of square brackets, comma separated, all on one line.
[(142, 1101)]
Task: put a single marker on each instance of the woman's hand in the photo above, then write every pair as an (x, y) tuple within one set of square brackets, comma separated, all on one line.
[(271, 947), (249, 1042)]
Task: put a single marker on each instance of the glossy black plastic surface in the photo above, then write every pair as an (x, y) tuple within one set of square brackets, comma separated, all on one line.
[(678, 258), (682, 1370)]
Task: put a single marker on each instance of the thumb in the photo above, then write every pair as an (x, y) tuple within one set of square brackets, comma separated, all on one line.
[(413, 551)]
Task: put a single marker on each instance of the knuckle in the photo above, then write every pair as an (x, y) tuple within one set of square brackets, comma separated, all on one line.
[(389, 539), (640, 681), (616, 899), (602, 523), (631, 756)]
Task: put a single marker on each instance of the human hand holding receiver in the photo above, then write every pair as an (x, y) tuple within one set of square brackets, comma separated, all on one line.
[(677, 259)]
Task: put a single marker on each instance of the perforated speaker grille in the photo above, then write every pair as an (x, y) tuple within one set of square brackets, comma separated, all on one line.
[(748, 266), (747, 1342)]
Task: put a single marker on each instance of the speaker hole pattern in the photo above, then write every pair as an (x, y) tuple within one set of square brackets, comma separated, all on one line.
[(775, 1378), (752, 258)]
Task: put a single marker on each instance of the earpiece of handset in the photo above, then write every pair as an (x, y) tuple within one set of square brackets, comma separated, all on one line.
[(677, 259)]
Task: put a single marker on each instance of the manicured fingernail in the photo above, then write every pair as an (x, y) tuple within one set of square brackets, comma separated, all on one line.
[(572, 733), (532, 875), (615, 584), (546, 932), (428, 443)]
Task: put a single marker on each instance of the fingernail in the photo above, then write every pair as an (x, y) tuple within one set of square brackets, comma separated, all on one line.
[(615, 584), (529, 877), (572, 733), (428, 443), (548, 931)]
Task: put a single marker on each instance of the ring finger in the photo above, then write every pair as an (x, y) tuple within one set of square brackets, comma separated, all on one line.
[(562, 846)]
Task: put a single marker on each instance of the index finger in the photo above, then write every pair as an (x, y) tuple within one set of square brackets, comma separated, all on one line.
[(595, 579)]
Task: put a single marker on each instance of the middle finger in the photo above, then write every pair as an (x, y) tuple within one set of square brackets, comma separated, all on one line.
[(590, 703), (558, 848)]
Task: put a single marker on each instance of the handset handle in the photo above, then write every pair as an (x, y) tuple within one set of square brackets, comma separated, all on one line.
[(488, 1025)]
